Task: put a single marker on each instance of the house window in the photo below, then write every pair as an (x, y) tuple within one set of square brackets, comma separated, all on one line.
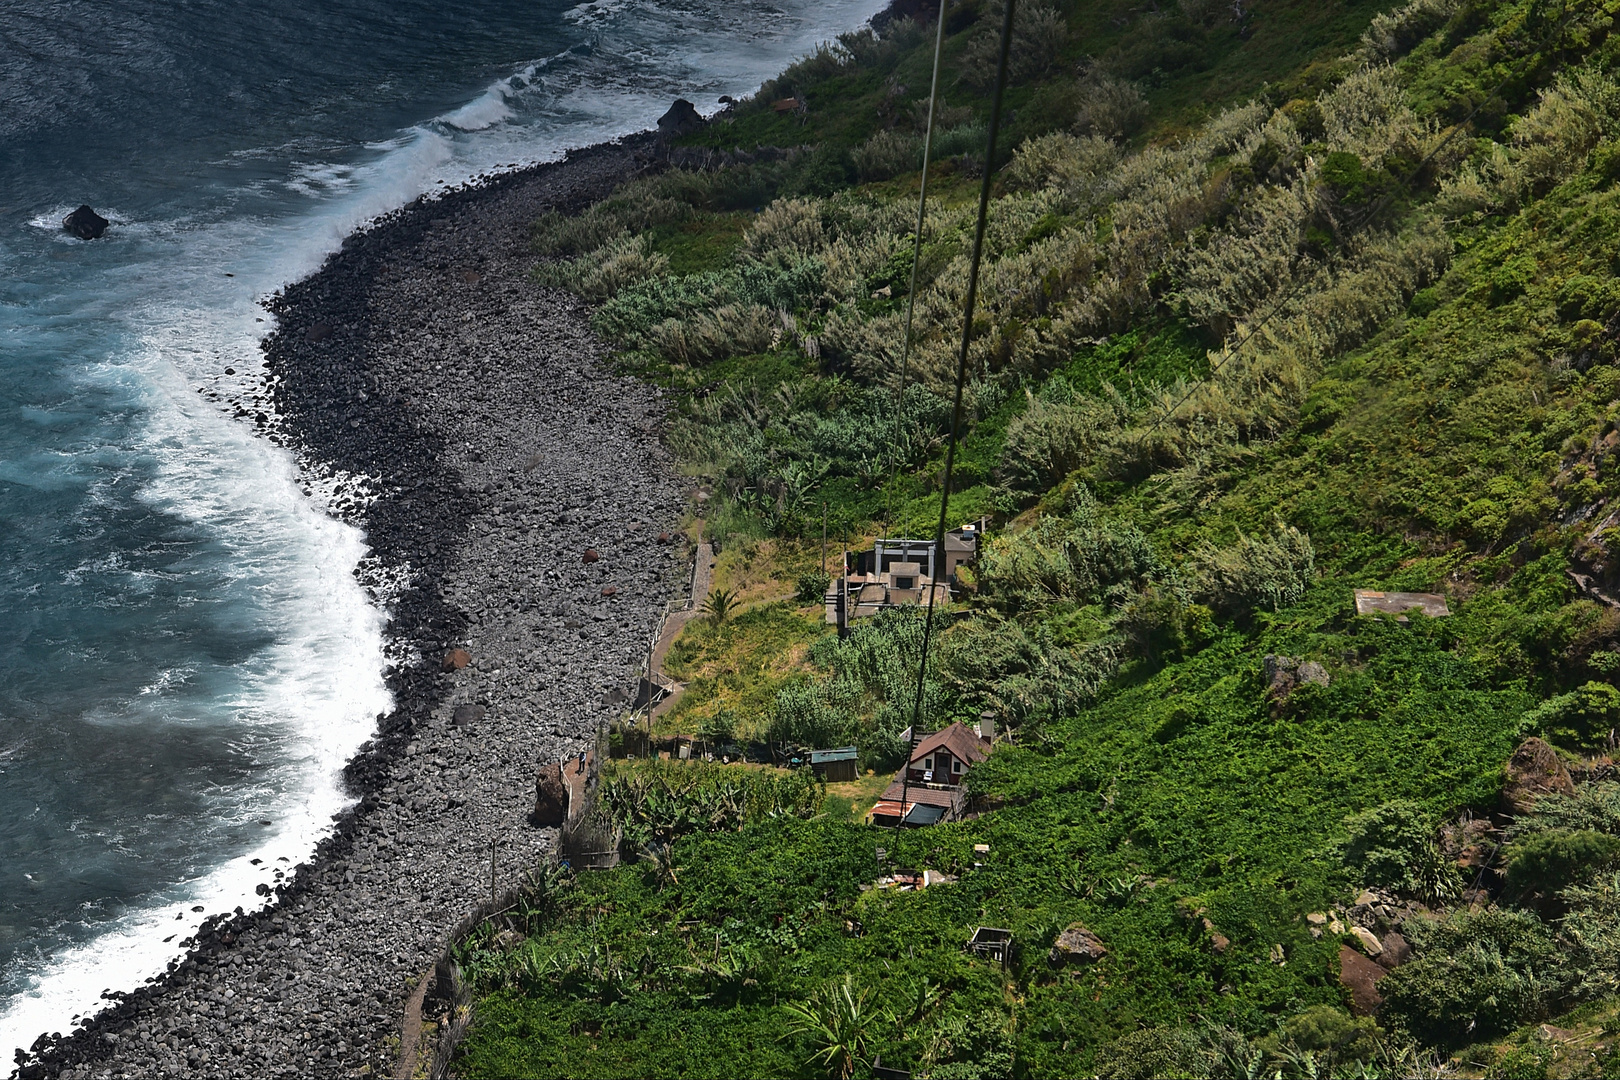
[(928, 763), (956, 766)]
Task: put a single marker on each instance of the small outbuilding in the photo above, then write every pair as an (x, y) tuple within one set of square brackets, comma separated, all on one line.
[(911, 806), (992, 942), (838, 766)]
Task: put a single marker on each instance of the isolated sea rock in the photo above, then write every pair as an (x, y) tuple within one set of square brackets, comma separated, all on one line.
[(1533, 771), (681, 119), (1075, 944), (85, 223)]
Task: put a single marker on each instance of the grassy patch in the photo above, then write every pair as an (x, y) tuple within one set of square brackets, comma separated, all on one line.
[(850, 801), (738, 665), (705, 243)]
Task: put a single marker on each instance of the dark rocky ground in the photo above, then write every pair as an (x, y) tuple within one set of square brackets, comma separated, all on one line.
[(499, 449)]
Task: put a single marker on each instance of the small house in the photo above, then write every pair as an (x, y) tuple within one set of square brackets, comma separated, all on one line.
[(944, 757), (838, 766), (899, 572), (928, 789)]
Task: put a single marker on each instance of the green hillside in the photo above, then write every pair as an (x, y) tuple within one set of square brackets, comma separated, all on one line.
[(1280, 301)]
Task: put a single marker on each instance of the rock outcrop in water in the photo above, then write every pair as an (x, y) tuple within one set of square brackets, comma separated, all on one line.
[(85, 223), (681, 119)]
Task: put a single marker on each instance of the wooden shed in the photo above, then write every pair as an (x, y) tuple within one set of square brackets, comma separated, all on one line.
[(836, 766)]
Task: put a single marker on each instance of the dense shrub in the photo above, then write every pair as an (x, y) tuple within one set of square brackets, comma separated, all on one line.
[(1590, 933), (1394, 846), (1393, 33), (1476, 974), (1110, 108), (1330, 1031), (1039, 34), (626, 261), (1153, 1052), (1076, 557), (1585, 717), (887, 153), (806, 714), (787, 231), (1052, 438), (1544, 864), (1592, 807), (812, 586), (633, 315), (1021, 672), (1064, 163), (1256, 573)]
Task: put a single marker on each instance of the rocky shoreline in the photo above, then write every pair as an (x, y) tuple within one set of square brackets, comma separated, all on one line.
[(464, 418)]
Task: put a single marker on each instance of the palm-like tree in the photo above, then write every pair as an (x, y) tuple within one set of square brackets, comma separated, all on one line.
[(720, 604), (837, 1022)]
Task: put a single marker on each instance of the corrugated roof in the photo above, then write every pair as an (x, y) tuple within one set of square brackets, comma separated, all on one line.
[(916, 793), (958, 739), (842, 753)]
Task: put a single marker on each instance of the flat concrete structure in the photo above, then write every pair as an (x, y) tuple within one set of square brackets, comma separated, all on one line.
[(1373, 602)]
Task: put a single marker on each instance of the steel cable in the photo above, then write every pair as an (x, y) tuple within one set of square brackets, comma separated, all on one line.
[(962, 358), (916, 260)]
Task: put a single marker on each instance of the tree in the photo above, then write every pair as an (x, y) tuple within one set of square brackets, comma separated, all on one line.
[(720, 604), (837, 1023)]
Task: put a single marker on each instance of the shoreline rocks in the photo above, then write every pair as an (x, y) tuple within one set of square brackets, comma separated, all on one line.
[(422, 368), (681, 119)]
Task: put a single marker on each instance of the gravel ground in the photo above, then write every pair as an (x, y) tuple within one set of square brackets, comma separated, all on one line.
[(500, 450)]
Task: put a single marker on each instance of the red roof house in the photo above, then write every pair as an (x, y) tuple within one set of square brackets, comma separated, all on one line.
[(929, 788)]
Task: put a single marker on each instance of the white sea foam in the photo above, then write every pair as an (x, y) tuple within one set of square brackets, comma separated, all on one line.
[(314, 694), (485, 111)]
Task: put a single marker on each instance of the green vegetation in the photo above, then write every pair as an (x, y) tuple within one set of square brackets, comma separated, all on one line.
[(736, 666), (1262, 322)]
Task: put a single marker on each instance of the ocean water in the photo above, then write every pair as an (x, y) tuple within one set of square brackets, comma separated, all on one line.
[(186, 661)]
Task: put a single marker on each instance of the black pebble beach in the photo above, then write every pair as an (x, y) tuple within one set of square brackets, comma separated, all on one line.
[(466, 419)]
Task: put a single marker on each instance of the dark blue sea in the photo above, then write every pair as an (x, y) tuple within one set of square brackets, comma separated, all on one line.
[(186, 661)]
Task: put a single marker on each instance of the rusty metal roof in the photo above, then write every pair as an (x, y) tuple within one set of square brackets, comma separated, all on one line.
[(917, 793)]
